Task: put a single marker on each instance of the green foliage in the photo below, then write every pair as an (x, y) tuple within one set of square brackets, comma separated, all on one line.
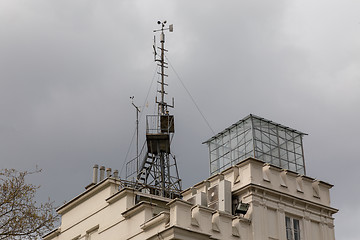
[(20, 215)]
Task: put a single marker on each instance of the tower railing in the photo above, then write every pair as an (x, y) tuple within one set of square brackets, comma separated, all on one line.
[(160, 124), (131, 168)]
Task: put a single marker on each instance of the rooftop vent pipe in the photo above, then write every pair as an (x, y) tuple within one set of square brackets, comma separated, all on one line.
[(102, 173), (116, 174), (108, 172), (95, 174)]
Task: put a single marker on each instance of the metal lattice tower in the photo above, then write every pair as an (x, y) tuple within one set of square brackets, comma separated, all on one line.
[(158, 171)]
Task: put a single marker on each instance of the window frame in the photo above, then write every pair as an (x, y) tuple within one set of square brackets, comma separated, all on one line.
[(292, 228)]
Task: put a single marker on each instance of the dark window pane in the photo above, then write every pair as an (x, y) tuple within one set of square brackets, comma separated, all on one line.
[(296, 229), (288, 229)]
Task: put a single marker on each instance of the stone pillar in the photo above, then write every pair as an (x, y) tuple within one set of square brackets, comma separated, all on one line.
[(180, 213), (281, 219)]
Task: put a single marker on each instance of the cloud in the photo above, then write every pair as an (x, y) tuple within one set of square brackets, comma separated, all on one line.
[(68, 68)]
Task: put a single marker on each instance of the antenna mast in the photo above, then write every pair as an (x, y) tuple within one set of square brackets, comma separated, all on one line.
[(162, 105), (158, 173)]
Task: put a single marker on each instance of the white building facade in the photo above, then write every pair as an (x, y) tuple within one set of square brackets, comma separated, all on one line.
[(283, 205)]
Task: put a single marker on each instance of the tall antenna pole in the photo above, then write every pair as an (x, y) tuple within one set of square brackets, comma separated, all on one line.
[(162, 63), (162, 105)]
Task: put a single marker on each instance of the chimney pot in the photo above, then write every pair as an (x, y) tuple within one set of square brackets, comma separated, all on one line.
[(108, 172), (116, 174), (102, 173), (95, 174)]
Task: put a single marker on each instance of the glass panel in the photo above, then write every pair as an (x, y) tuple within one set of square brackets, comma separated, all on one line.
[(226, 146), (257, 154), (241, 157), (258, 144), (283, 153), (258, 150), (272, 129), (296, 229), (275, 152), (226, 137), (234, 154), (288, 229), (241, 140), (273, 140), (226, 161), (292, 167), (214, 167), (257, 134), (289, 135), (247, 124), (256, 122), (266, 138), (299, 160), (233, 143), (300, 170), (211, 146), (221, 160), (217, 141), (264, 127), (276, 161), (220, 151), (266, 158), (282, 143), (240, 128), (291, 157), (290, 146), (284, 164), (226, 166), (248, 136), (241, 148), (298, 148), (281, 133), (249, 154), (233, 132), (249, 147), (266, 148)]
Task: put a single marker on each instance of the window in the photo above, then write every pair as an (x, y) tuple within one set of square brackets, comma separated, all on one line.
[(292, 228)]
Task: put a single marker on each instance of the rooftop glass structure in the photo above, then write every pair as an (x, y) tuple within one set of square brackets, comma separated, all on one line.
[(259, 138)]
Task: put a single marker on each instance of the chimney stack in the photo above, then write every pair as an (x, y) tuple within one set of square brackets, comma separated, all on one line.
[(116, 174), (108, 172), (102, 173), (95, 174)]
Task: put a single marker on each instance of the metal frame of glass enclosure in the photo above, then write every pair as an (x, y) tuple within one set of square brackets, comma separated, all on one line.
[(259, 138)]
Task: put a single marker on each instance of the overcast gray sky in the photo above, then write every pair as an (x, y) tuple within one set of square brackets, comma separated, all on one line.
[(68, 68)]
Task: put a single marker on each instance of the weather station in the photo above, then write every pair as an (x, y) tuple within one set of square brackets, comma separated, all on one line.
[(157, 173)]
